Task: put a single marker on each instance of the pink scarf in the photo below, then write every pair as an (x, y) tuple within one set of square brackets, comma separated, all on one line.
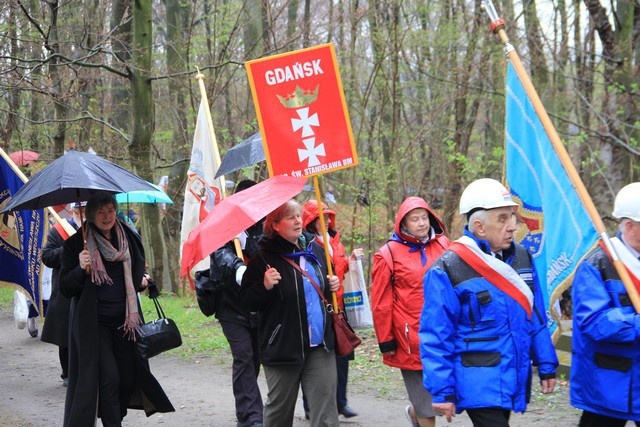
[(99, 247)]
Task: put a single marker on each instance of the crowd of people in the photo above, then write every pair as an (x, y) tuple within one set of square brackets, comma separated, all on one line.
[(464, 321)]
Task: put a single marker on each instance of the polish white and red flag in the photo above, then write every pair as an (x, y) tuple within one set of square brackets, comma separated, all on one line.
[(302, 112)]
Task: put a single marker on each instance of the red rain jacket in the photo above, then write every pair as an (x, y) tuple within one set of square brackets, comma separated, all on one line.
[(397, 292)]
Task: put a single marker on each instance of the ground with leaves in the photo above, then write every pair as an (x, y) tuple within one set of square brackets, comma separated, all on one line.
[(31, 392)]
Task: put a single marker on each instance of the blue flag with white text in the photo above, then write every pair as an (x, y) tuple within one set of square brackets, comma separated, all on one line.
[(21, 239), (559, 231)]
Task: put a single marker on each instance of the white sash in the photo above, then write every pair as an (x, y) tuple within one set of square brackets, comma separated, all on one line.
[(631, 262), (500, 267)]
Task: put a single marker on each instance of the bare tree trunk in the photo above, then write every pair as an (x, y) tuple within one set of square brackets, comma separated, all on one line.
[(143, 125), (6, 132), (121, 41), (177, 49), (292, 24), (614, 156), (539, 72), (466, 111), (57, 91)]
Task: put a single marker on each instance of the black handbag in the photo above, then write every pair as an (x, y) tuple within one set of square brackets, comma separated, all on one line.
[(158, 336)]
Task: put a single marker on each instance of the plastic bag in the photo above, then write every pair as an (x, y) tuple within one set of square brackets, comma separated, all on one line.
[(46, 282), (356, 299), (20, 309)]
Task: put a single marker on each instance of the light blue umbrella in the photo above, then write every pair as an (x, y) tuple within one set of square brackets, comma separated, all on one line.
[(144, 196)]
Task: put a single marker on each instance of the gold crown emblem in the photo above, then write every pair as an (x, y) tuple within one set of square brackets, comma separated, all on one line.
[(299, 97)]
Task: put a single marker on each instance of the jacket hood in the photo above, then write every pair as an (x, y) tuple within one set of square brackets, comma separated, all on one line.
[(310, 213), (410, 204)]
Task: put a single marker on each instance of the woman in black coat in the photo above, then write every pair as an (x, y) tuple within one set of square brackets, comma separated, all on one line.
[(56, 329), (295, 332), (106, 373)]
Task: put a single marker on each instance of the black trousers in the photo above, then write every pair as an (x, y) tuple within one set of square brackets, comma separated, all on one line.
[(487, 417), (117, 371), (243, 341), (63, 355), (590, 419)]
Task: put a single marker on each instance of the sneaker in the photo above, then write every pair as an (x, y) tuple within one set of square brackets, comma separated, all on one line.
[(412, 419), (32, 327)]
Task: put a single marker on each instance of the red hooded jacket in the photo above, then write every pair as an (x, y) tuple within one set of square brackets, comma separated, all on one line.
[(339, 258), (397, 293)]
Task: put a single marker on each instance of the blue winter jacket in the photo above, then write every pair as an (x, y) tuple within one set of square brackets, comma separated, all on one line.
[(477, 344), (605, 361)]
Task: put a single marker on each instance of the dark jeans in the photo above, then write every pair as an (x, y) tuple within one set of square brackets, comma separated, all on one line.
[(342, 366), (589, 419), (488, 417), (243, 342)]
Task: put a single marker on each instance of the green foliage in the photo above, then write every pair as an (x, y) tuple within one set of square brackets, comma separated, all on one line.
[(6, 298)]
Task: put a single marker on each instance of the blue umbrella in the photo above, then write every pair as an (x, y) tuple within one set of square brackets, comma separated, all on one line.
[(144, 196)]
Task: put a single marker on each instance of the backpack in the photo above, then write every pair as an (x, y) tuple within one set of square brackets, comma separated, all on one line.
[(208, 292)]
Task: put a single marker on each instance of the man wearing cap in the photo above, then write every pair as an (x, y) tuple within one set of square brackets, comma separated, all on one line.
[(56, 328), (483, 326), (605, 365)]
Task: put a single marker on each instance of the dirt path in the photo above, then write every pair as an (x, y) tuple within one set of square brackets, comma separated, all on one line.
[(31, 392)]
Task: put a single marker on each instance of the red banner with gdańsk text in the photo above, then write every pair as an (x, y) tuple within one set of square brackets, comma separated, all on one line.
[(302, 112)]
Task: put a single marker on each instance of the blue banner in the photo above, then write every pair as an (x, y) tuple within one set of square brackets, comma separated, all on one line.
[(558, 231), (21, 239)]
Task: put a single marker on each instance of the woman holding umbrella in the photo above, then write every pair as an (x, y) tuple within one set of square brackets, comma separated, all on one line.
[(295, 334), (102, 282)]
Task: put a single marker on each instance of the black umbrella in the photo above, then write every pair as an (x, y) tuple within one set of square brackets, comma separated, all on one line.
[(247, 153), (74, 177)]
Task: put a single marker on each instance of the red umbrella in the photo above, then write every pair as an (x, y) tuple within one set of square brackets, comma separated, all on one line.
[(24, 157), (235, 214)]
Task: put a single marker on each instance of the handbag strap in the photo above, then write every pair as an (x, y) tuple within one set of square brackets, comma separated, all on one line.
[(159, 309), (313, 282)]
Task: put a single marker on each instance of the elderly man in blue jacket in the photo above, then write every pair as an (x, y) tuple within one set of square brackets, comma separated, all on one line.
[(483, 325), (605, 365)]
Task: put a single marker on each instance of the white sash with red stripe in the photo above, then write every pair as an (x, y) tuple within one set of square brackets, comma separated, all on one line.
[(498, 273), (628, 259)]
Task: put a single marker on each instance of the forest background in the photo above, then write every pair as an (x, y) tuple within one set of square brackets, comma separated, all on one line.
[(423, 81)]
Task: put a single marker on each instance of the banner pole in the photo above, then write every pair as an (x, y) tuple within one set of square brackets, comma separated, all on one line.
[(497, 27), (325, 236)]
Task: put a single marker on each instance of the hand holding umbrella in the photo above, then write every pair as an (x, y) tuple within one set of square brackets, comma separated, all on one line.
[(85, 261), (236, 213)]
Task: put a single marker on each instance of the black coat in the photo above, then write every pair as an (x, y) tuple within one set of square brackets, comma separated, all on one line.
[(223, 265), (283, 328), (81, 401), (56, 329)]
